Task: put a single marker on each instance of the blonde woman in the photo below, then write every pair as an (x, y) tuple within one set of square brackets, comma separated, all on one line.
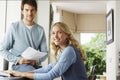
[(69, 55)]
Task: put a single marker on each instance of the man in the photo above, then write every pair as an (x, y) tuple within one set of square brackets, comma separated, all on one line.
[(21, 35)]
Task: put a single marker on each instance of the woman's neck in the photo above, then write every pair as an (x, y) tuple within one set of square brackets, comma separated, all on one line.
[(63, 47)]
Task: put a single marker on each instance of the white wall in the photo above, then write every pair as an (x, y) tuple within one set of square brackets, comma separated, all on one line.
[(118, 37), (2, 26), (2, 17), (114, 48), (13, 11), (43, 20), (43, 15)]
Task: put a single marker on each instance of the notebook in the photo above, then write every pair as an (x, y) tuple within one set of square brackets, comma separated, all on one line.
[(32, 54)]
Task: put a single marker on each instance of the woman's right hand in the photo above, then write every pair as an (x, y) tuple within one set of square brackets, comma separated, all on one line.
[(29, 75), (14, 73)]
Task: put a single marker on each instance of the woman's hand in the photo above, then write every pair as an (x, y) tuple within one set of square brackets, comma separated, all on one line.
[(29, 75), (26, 61), (14, 73)]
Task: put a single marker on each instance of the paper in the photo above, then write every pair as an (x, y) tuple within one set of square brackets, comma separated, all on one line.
[(33, 54), (3, 74)]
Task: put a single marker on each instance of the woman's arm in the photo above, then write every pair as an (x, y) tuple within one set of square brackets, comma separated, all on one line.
[(67, 58), (29, 75), (44, 69)]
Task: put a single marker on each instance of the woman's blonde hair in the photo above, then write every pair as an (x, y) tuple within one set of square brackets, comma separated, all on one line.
[(72, 40)]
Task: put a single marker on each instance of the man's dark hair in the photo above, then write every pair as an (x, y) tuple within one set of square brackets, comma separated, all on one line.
[(29, 2)]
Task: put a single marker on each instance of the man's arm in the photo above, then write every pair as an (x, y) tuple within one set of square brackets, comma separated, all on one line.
[(6, 44)]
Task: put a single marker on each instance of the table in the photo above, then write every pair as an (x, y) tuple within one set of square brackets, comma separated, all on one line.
[(11, 78)]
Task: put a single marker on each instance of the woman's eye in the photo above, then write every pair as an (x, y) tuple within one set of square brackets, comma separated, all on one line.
[(60, 32)]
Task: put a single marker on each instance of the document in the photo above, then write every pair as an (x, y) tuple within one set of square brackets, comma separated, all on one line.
[(3, 74), (32, 54)]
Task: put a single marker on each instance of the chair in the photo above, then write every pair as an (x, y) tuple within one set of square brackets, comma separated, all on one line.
[(92, 76)]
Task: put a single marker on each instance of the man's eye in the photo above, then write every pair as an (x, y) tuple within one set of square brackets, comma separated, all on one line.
[(26, 10), (32, 10), (53, 33)]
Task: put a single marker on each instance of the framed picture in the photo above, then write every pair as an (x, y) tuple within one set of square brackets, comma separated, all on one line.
[(110, 26)]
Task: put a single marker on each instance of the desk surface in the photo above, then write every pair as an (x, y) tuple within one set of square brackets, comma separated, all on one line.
[(11, 78)]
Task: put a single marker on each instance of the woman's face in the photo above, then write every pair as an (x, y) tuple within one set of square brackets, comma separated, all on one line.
[(58, 36)]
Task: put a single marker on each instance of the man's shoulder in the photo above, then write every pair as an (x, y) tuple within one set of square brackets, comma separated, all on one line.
[(14, 24), (38, 25)]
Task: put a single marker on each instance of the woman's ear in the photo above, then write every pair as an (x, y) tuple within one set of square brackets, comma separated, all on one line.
[(67, 41), (68, 36)]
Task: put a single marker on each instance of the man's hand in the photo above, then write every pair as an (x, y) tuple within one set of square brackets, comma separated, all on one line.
[(26, 61), (33, 62)]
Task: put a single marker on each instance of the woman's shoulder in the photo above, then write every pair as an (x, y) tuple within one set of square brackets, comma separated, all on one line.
[(69, 52), (69, 48)]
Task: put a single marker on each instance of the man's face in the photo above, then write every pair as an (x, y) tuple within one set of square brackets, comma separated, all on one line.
[(28, 12)]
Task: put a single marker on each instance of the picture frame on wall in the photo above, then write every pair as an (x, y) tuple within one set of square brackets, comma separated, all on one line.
[(110, 27)]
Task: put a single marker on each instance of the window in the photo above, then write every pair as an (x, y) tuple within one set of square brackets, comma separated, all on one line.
[(86, 37), (94, 45)]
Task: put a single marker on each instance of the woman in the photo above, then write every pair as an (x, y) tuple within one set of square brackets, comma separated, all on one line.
[(69, 56)]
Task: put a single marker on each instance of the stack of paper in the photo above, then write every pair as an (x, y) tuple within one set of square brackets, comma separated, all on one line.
[(32, 54)]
